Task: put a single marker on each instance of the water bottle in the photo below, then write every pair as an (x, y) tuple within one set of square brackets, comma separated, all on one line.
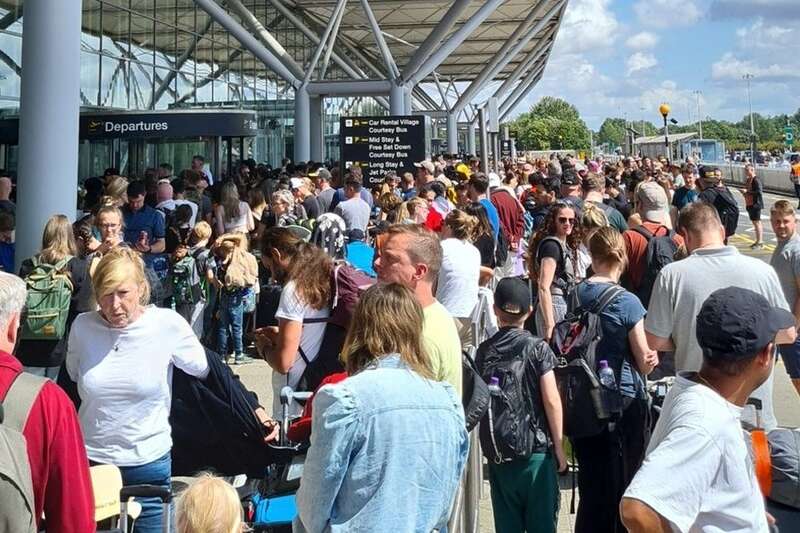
[(608, 383), (494, 386), (494, 390)]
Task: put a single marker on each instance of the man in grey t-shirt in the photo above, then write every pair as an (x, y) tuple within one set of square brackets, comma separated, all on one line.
[(682, 287), (354, 210), (786, 262), (324, 190)]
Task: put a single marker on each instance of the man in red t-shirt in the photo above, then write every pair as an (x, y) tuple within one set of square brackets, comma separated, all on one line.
[(62, 488), (654, 210)]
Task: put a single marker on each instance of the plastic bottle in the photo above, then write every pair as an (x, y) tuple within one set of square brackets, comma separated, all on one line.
[(611, 400), (606, 375), (494, 386)]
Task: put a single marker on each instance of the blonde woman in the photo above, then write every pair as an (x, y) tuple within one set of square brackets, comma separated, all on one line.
[(388, 412), (209, 505), (44, 357), (236, 277), (413, 211), (121, 357), (609, 459), (457, 289), (232, 214), (117, 188)]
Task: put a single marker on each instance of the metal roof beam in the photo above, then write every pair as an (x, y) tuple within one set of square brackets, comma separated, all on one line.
[(453, 42), (248, 41), (350, 88), (324, 40), (524, 66), (522, 90), (164, 85), (510, 49), (380, 41), (435, 37)]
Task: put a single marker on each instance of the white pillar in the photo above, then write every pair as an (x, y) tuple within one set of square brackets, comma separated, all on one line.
[(317, 127), (397, 96), (452, 133), (48, 118), (302, 123), (470, 138), (407, 100)]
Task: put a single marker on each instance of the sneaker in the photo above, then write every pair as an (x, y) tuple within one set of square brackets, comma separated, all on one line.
[(757, 246), (242, 359)]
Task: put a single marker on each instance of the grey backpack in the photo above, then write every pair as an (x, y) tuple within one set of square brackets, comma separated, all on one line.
[(784, 448), (17, 511)]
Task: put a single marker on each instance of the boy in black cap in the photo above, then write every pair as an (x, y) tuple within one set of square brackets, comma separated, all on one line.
[(698, 475), (521, 434)]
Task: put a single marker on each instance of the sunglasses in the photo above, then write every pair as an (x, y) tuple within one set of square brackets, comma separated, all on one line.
[(566, 220)]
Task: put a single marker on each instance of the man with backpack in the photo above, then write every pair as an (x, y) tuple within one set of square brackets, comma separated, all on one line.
[(651, 245), (41, 437), (716, 194), (521, 432)]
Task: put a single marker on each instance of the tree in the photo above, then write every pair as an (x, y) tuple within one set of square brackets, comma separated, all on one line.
[(551, 124), (612, 132)]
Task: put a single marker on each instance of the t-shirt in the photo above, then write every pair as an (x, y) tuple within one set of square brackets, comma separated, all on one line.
[(616, 321), (171, 205), (636, 248), (355, 213), (684, 196), (292, 307), (786, 262), (325, 198), (124, 379), (697, 472), (615, 218), (458, 277), (361, 256), (8, 206), (7, 257), (442, 344), (146, 219), (492, 215), (485, 245), (339, 197), (682, 287), (234, 224), (312, 207), (755, 191)]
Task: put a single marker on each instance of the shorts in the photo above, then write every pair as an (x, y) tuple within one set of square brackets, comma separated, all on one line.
[(790, 353), (754, 213)]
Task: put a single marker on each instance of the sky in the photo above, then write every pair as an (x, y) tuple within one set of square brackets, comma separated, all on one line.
[(622, 58)]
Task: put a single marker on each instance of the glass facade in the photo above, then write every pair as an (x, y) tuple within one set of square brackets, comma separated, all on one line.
[(169, 54)]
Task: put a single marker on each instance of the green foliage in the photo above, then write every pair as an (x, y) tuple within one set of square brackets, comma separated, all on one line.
[(551, 124)]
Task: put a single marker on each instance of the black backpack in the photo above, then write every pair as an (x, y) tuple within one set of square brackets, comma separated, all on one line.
[(505, 431), (501, 248), (587, 408), (728, 210), (661, 250), (475, 392)]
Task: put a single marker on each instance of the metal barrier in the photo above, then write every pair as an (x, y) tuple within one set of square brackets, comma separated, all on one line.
[(774, 179)]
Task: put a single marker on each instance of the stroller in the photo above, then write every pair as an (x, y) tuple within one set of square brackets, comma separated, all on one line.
[(271, 507)]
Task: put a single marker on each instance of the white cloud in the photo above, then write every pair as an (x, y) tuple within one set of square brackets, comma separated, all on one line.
[(730, 67), (642, 41), (588, 26), (640, 61), (747, 9), (667, 13)]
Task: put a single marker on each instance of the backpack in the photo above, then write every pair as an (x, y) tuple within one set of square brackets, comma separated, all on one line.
[(328, 234), (660, 252), (347, 286), (186, 289), (474, 392), (47, 301), (505, 431), (566, 279), (728, 210), (587, 408), (501, 249), (17, 510)]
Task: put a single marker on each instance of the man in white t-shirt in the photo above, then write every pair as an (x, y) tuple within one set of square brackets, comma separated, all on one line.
[(698, 475)]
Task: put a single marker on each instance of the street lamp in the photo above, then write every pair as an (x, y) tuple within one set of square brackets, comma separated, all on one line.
[(747, 78), (664, 109)]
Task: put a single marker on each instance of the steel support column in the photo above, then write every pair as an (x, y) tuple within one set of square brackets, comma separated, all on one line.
[(524, 67), (397, 96), (391, 67), (435, 37), (48, 118), (247, 40), (317, 128), (484, 140), (453, 42), (408, 100), (470, 138), (302, 125), (521, 92), (452, 133)]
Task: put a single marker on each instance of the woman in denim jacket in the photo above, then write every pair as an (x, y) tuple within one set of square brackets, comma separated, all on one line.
[(388, 444)]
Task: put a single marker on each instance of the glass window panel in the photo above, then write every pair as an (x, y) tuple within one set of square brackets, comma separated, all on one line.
[(185, 85), (112, 84), (142, 33), (186, 15), (90, 78), (115, 30), (90, 20), (168, 98), (141, 86)]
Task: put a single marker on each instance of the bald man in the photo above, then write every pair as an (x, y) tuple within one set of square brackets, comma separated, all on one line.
[(5, 193), (167, 203)]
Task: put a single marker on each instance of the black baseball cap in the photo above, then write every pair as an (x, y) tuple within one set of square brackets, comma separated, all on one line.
[(570, 178), (513, 296), (736, 323)]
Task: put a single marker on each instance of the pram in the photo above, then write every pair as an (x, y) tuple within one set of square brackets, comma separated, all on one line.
[(271, 508)]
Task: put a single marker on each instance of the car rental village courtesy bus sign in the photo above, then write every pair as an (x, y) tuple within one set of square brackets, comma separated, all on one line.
[(382, 144)]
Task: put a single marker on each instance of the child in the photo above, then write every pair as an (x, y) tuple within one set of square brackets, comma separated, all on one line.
[(237, 275), (206, 267), (209, 505), (521, 433)]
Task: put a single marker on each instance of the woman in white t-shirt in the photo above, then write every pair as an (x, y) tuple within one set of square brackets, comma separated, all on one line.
[(232, 214), (121, 358), (305, 271), (457, 289)]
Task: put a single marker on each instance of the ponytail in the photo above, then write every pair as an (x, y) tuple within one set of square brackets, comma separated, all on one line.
[(462, 225)]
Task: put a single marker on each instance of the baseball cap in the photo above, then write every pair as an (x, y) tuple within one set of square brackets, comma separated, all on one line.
[(735, 323), (296, 183), (570, 178), (512, 296), (463, 169), (427, 165), (653, 202), (321, 172), (494, 180)]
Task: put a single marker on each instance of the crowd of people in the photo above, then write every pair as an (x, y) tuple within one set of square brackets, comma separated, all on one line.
[(367, 294)]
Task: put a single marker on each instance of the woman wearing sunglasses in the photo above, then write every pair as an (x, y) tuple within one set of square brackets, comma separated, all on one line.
[(554, 256)]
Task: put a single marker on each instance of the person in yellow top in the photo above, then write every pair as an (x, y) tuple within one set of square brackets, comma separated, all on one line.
[(794, 175), (411, 255)]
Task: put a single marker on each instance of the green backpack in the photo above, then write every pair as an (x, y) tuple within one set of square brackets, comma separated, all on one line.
[(48, 300), (186, 288)]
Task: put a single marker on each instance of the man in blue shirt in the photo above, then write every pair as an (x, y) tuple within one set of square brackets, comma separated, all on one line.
[(686, 194), (478, 188), (144, 226)]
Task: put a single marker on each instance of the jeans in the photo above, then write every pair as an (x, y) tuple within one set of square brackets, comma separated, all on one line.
[(49, 372), (559, 312), (157, 472), (231, 313)]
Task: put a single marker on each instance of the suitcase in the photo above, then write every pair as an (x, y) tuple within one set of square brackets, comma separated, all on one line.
[(145, 491)]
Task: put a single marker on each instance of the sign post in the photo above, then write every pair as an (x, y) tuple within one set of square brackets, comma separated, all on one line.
[(788, 136), (382, 144)]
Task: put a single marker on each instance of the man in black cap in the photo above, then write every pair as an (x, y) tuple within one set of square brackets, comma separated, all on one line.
[(697, 474), (572, 190), (524, 483)]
